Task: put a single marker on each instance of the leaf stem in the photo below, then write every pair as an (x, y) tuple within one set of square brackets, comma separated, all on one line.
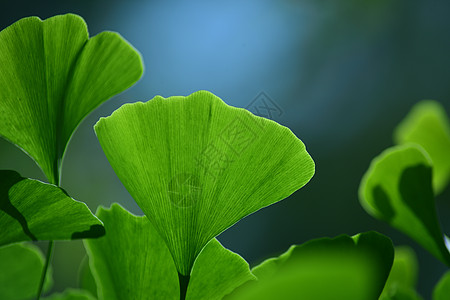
[(44, 271), (184, 282)]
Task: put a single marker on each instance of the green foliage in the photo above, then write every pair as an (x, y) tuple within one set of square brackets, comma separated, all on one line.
[(71, 294), (52, 76), (340, 268), (428, 125), (442, 289), (20, 271), (397, 188), (402, 280), (196, 166), (33, 210), (133, 262)]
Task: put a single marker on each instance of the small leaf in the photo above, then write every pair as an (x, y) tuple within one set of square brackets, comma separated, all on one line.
[(402, 280), (71, 294), (131, 261), (428, 125), (217, 272), (196, 166), (20, 271), (33, 210), (52, 75), (442, 289), (397, 188), (86, 280), (340, 268)]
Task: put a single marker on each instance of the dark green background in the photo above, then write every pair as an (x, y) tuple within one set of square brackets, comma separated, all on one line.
[(344, 73)]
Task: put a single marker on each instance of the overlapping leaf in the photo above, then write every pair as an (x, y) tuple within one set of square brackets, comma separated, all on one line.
[(33, 210), (340, 268), (52, 75), (71, 294), (428, 125), (402, 280), (20, 271), (397, 188), (133, 262), (196, 166)]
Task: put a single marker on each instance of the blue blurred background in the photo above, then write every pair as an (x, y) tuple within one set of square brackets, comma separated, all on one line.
[(342, 75)]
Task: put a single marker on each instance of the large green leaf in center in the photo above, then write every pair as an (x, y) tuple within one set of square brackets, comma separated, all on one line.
[(196, 165)]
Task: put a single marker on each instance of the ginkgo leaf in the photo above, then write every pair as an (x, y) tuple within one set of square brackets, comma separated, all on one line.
[(20, 271), (428, 125), (401, 283), (397, 188), (196, 166), (351, 268), (34, 210), (52, 75), (442, 289), (133, 262)]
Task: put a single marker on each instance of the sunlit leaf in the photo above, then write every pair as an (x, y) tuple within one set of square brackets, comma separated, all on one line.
[(133, 262), (428, 125), (52, 75), (401, 283), (71, 294), (397, 188), (217, 272), (442, 289), (351, 268), (20, 271), (33, 210), (196, 166)]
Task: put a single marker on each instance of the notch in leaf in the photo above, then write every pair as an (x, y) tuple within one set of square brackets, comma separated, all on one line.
[(398, 189), (196, 166), (34, 210), (52, 75)]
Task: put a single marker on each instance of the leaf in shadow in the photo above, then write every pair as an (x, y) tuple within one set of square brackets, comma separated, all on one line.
[(398, 188), (196, 166), (20, 271), (52, 76), (33, 210), (339, 268), (428, 125)]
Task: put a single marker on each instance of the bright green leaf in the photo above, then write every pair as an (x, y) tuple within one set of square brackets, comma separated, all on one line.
[(397, 188), (340, 268), (216, 273), (402, 280), (428, 125), (86, 280), (71, 294), (33, 210), (131, 261), (20, 271), (52, 75), (442, 289), (196, 166)]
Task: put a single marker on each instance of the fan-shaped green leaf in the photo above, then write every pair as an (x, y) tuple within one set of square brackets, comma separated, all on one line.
[(397, 188), (33, 210), (442, 289), (340, 268), (196, 165), (133, 262), (52, 75), (428, 125), (20, 271)]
